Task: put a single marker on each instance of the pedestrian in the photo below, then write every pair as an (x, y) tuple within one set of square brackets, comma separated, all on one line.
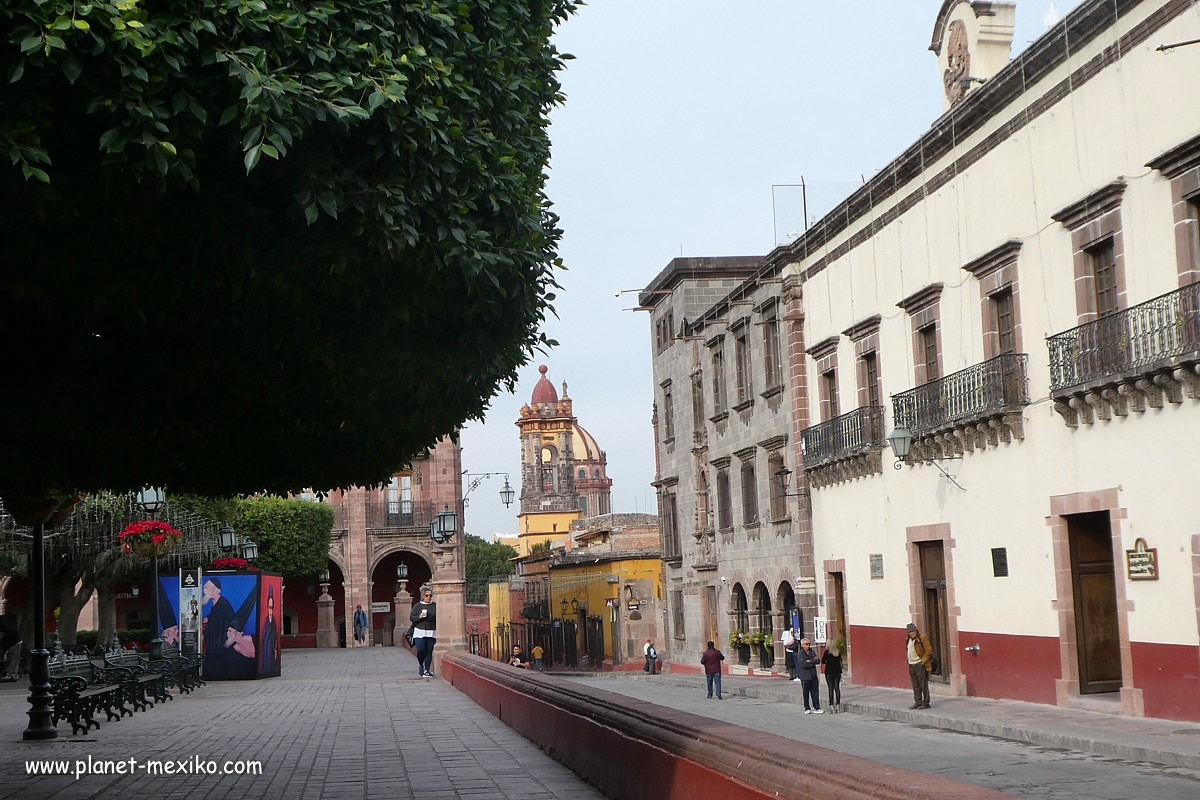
[(789, 653), (831, 660), (711, 660), (651, 657), (360, 626), (424, 619), (920, 657), (10, 646), (538, 652), (518, 658), (807, 662)]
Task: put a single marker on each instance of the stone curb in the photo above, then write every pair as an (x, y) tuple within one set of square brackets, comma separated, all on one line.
[(1010, 732)]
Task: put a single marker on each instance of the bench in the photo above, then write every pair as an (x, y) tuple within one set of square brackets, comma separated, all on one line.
[(183, 671), (81, 690), (142, 687)]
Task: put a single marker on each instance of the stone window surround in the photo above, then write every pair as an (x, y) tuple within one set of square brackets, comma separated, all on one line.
[(747, 456), (996, 270), (1061, 506), (670, 486), (939, 531), (1092, 220), (668, 428), (768, 311), (1181, 165), (716, 346), (743, 352), (831, 566), (865, 336), (825, 354), (722, 500), (924, 308)]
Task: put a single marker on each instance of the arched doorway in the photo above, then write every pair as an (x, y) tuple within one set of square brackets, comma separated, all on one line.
[(741, 620), (789, 612), (765, 625), (385, 585)]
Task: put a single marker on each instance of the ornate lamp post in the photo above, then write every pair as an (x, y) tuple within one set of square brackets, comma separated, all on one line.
[(326, 637), (153, 500), (402, 602)]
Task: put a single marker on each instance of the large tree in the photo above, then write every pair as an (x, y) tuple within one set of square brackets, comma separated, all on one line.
[(265, 244), (485, 559)]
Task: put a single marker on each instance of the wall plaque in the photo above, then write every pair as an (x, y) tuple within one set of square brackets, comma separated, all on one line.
[(1141, 563)]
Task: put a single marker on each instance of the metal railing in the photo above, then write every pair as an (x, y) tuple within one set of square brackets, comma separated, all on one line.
[(985, 388), (384, 513), (843, 436), (1162, 328)]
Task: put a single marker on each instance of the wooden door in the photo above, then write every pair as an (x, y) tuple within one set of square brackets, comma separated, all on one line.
[(1093, 580), (711, 617), (933, 588)]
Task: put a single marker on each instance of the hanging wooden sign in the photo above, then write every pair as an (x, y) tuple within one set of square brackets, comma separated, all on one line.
[(1141, 563)]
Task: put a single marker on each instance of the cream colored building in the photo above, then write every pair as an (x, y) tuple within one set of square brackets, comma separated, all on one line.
[(1018, 290)]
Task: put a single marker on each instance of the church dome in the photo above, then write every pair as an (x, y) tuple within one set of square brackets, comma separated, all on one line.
[(544, 391), (585, 445)]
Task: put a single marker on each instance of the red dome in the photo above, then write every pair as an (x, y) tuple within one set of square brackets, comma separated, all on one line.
[(543, 392)]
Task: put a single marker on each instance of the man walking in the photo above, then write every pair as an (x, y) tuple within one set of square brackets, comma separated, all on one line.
[(711, 660), (360, 626), (807, 662), (789, 653), (651, 657), (920, 655), (10, 643)]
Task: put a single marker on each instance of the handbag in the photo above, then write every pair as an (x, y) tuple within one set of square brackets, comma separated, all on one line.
[(408, 636)]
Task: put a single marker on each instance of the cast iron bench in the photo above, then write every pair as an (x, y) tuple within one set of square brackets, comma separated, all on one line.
[(142, 687), (181, 671), (81, 690)]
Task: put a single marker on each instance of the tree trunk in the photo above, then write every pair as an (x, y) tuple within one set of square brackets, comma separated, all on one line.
[(107, 608), (71, 602)]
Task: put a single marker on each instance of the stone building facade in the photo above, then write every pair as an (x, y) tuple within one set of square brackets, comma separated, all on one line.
[(737, 548)]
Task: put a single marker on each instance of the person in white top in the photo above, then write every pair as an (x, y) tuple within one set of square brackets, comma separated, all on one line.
[(789, 652), (424, 631)]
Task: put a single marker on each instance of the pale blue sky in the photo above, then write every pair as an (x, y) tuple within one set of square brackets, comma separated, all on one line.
[(680, 116)]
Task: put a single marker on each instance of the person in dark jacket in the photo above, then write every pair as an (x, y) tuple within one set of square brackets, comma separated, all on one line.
[(831, 659), (424, 620), (919, 654), (711, 660), (807, 662), (10, 646), (360, 626)]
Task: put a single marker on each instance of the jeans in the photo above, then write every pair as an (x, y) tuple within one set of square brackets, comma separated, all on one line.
[(812, 692), (920, 683), (713, 679), (537, 664), (834, 682), (651, 665), (14, 660), (424, 647)]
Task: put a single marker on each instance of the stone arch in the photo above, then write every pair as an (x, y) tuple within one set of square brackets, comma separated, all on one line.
[(398, 547), (785, 602), (739, 608)]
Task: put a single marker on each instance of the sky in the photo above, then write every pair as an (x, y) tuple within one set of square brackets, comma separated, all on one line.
[(681, 115)]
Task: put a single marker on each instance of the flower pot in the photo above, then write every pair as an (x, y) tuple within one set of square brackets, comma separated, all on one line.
[(32, 510), (147, 549)]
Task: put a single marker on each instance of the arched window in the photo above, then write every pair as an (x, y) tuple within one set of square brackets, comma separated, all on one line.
[(597, 475), (583, 474)]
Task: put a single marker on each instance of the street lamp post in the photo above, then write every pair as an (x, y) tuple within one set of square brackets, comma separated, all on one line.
[(152, 500)]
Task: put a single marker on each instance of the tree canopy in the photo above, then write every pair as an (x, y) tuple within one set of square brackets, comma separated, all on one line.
[(485, 559), (292, 535), (266, 244)]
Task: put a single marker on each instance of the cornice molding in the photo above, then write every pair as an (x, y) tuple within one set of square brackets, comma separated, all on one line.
[(922, 299), (863, 329), (1178, 159), (825, 347), (1096, 204), (994, 259)]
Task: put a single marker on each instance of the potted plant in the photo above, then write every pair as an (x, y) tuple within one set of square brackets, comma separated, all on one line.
[(149, 538), (230, 562)]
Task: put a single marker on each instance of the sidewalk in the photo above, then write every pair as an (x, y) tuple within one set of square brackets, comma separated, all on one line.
[(1157, 741)]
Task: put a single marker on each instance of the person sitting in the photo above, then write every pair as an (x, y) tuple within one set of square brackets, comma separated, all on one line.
[(518, 658)]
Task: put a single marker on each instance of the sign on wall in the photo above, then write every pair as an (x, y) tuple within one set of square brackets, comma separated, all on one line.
[(380, 608), (1141, 563), (819, 625)]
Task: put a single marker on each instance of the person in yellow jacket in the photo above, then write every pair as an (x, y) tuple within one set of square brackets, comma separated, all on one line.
[(920, 656)]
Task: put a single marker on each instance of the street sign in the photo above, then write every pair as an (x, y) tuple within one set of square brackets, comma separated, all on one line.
[(380, 608), (819, 624)]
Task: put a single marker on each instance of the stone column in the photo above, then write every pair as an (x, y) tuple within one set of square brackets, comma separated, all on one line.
[(358, 557), (450, 594), (326, 634), (402, 604)]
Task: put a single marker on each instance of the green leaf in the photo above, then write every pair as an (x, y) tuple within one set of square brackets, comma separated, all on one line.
[(54, 42), (170, 148), (227, 115), (34, 172), (32, 43), (269, 150), (16, 70), (375, 100), (133, 23), (72, 69), (81, 24), (252, 156), (310, 214)]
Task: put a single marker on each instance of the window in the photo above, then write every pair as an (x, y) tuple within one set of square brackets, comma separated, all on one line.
[(697, 402), (583, 505), (741, 353), (871, 378), (704, 502), (724, 504), (664, 332), (1104, 269), (582, 475), (778, 499), (829, 395), (749, 494), (929, 352), (718, 362), (677, 613), (668, 413), (672, 547), (771, 358), (596, 475), (1006, 329)]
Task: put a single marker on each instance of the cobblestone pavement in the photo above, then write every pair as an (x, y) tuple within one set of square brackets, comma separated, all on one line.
[(339, 725), (1014, 767)]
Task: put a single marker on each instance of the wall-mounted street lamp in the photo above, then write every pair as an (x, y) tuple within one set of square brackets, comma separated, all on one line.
[(476, 478), (783, 477), (444, 526), (226, 536), (901, 439)]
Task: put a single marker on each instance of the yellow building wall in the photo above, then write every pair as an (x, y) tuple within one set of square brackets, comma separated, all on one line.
[(587, 585), (551, 526), (499, 609)]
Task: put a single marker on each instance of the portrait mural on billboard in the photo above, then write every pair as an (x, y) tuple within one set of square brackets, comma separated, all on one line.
[(168, 609), (230, 625), (268, 652)]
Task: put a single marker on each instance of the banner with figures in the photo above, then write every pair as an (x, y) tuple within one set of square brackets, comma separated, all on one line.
[(189, 610)]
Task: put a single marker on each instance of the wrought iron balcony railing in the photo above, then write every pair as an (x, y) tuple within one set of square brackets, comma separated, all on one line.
[(978, 391), (384, 513), (844, 436), (1127, 341)]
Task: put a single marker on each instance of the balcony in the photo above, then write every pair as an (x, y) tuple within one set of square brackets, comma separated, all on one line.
[(1129, 360), (845, 447), (974, 408), (384, 514)]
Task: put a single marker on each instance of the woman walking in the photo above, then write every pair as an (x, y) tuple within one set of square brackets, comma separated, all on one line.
[(832, 660), (424, 620)]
